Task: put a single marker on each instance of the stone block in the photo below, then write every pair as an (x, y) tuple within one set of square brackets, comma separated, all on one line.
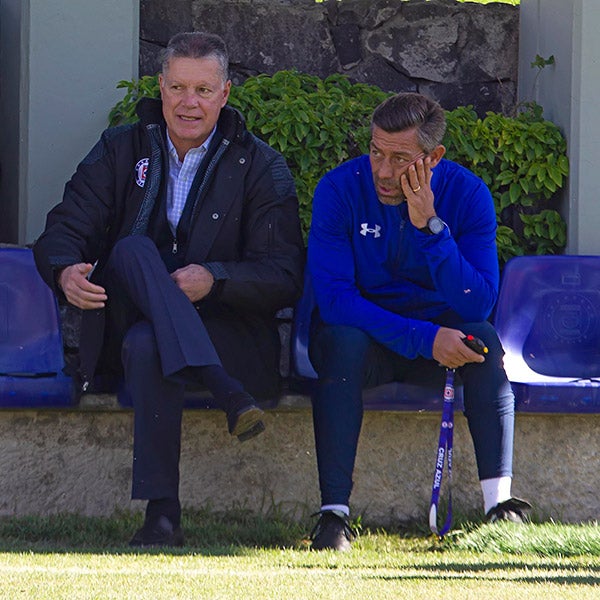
[(483, 96), (265, 37), (374, 70), (160, 20)]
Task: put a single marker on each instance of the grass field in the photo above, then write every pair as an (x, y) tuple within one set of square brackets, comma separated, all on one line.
[(238, 555)]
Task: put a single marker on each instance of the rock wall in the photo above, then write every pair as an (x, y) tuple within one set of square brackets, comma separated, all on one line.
[(458, 53)]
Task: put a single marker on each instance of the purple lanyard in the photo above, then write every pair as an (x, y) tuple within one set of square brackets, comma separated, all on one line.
[(444, 451)]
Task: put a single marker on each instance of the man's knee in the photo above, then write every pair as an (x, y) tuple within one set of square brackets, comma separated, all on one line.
[(486, 384), (339, 344), (128, 249), (486, 332)]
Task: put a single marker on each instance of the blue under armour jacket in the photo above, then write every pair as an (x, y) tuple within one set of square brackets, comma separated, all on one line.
[(372, 269)]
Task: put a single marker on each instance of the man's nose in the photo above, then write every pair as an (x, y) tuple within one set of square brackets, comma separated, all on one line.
[(190, 98), (385, 170)]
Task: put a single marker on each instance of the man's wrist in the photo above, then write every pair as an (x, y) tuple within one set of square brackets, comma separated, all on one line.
[(216, 269), (434, 226), (57, 275)]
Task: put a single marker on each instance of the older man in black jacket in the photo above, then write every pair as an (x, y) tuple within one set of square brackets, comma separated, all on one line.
[(179, 239)]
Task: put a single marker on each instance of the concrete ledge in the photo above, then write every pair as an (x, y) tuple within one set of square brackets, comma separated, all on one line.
[(79, 460)]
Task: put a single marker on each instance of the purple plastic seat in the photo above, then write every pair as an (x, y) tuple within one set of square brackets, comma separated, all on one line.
[(390, 396), (31, 350), (548, 319)]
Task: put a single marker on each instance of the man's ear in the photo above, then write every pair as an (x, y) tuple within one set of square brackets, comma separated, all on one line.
[(437, 155), (226, 90)]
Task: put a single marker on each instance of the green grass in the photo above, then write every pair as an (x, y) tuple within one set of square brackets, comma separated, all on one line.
[(239, 555)]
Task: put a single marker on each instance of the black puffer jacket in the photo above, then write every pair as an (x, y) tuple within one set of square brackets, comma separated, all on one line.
[(244, 227)]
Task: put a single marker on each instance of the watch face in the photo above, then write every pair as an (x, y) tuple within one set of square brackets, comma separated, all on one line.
[(436, 225)]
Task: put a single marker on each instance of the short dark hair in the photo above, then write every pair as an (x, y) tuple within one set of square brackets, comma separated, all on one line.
[(410, 110), (196, 44)]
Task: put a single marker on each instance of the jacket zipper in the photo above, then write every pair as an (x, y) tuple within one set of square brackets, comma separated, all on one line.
[(211, 167), (400, 237), (141, 222)]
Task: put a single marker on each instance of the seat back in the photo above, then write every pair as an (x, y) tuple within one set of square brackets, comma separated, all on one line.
[(303, 313), (31, 350), (548, 318)]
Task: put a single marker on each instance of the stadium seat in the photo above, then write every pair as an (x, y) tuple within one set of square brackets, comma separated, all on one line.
[(548, 319), (31, 350)]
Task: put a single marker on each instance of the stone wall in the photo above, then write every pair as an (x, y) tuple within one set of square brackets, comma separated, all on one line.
[(458, 53)]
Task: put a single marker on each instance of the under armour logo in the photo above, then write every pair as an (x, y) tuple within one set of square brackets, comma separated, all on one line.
[(364, 229)]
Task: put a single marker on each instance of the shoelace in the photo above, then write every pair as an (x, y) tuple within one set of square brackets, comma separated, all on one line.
[(348, 529)]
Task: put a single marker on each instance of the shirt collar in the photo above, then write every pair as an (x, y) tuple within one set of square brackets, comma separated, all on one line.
[(202, 148)]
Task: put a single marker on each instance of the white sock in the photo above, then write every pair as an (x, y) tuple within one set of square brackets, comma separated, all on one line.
[(339, 507), (495, 490)]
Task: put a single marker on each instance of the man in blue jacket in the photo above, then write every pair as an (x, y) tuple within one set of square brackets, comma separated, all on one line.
[(179, 238), (403, 260)]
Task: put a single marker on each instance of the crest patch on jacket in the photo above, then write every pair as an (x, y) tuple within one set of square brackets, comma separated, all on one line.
[(140, 171)]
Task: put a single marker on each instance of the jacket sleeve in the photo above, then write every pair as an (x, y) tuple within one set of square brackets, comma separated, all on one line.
[(269, 274), (75, 227), (331, 266), (463, 259)]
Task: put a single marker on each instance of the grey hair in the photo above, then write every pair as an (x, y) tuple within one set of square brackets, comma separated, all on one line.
[(196, 44), (409, 110)]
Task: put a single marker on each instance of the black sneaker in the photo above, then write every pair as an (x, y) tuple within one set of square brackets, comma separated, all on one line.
[(332, 532), (513, 509), (157, 534), (244, 417)]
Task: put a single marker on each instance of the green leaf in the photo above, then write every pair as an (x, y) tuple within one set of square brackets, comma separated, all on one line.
[(514, 193)]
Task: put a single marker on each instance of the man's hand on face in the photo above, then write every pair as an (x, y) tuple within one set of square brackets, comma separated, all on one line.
[(78, 290), (450, 350), (416, 185), (194, 281)]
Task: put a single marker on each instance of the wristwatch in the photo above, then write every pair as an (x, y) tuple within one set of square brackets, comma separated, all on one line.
[(434, 226)]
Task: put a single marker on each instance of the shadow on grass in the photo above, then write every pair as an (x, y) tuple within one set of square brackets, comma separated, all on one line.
[(206, 533), (503, 572), (238, 532)]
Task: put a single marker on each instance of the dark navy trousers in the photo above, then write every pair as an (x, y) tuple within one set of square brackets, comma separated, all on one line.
[(348, 360), (163, 336)]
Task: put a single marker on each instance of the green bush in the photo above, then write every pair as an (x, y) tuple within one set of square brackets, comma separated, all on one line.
[(317, 124), (523, 161)]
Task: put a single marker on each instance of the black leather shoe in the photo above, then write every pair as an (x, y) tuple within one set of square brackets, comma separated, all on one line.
[(244, 417), (513, 509), (157, 534), (332, 532)]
